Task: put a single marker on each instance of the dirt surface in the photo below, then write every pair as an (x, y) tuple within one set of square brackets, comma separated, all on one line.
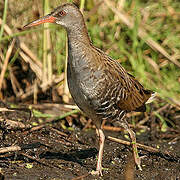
[(52, 152)]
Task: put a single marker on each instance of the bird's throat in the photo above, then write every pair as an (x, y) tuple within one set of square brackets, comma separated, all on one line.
[(78, 33), (78, 45)]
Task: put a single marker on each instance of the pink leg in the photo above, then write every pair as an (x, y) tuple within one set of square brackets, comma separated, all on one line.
[(100, 155)]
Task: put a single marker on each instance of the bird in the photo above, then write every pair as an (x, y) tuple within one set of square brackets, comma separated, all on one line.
[(99, 85)]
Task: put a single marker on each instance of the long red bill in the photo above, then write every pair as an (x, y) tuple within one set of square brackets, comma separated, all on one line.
[(46, 19)]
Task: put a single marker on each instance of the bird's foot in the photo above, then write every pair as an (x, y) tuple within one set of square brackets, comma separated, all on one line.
[(139, 167), (139, 164), (138, 161), (97, 172)]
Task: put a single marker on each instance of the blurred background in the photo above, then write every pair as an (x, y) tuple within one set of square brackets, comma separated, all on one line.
[(144, 36)]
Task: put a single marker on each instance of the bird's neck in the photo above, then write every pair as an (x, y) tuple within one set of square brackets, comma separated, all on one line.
[(78, 43), (78, 33)]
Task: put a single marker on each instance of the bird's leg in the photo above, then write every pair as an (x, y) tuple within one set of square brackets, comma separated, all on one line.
[(134, 146), (100, 155)]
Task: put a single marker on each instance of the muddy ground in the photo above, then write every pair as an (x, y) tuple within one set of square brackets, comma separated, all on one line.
[(53, 152)]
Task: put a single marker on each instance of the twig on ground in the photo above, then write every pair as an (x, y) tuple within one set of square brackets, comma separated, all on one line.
[(6, 108), (19, 148), (13, 125), (63, 107), (38, 161), (37, 128), (59, 132), (87, 124), (144, 147), (9, 149), (111, 128), (54, 119), (81, 177), (165, 155)]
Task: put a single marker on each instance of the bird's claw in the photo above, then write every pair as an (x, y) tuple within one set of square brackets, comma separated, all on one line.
[(139, 167), (97, 172)]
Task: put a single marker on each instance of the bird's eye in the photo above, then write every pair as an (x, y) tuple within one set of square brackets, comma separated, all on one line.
[(62, 13)]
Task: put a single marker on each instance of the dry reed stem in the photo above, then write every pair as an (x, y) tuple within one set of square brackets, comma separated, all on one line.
[(5, 65), (49, 57), (36, 63), (153, 64), (15, 84), (1, 56), (30, 54), (175, 101), (152, 114), (35, 94), (45, 86), (141, 32), (23, 46), (92, 11), (35, 68), (66, 96)]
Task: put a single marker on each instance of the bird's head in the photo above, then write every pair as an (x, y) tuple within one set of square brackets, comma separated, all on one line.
[(67, 15)]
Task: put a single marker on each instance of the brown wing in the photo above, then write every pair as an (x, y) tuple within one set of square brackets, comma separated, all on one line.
[(119, 86), (136, 96), (130, 94)]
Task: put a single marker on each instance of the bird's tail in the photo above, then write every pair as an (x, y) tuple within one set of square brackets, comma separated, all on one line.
[(152, 98)]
